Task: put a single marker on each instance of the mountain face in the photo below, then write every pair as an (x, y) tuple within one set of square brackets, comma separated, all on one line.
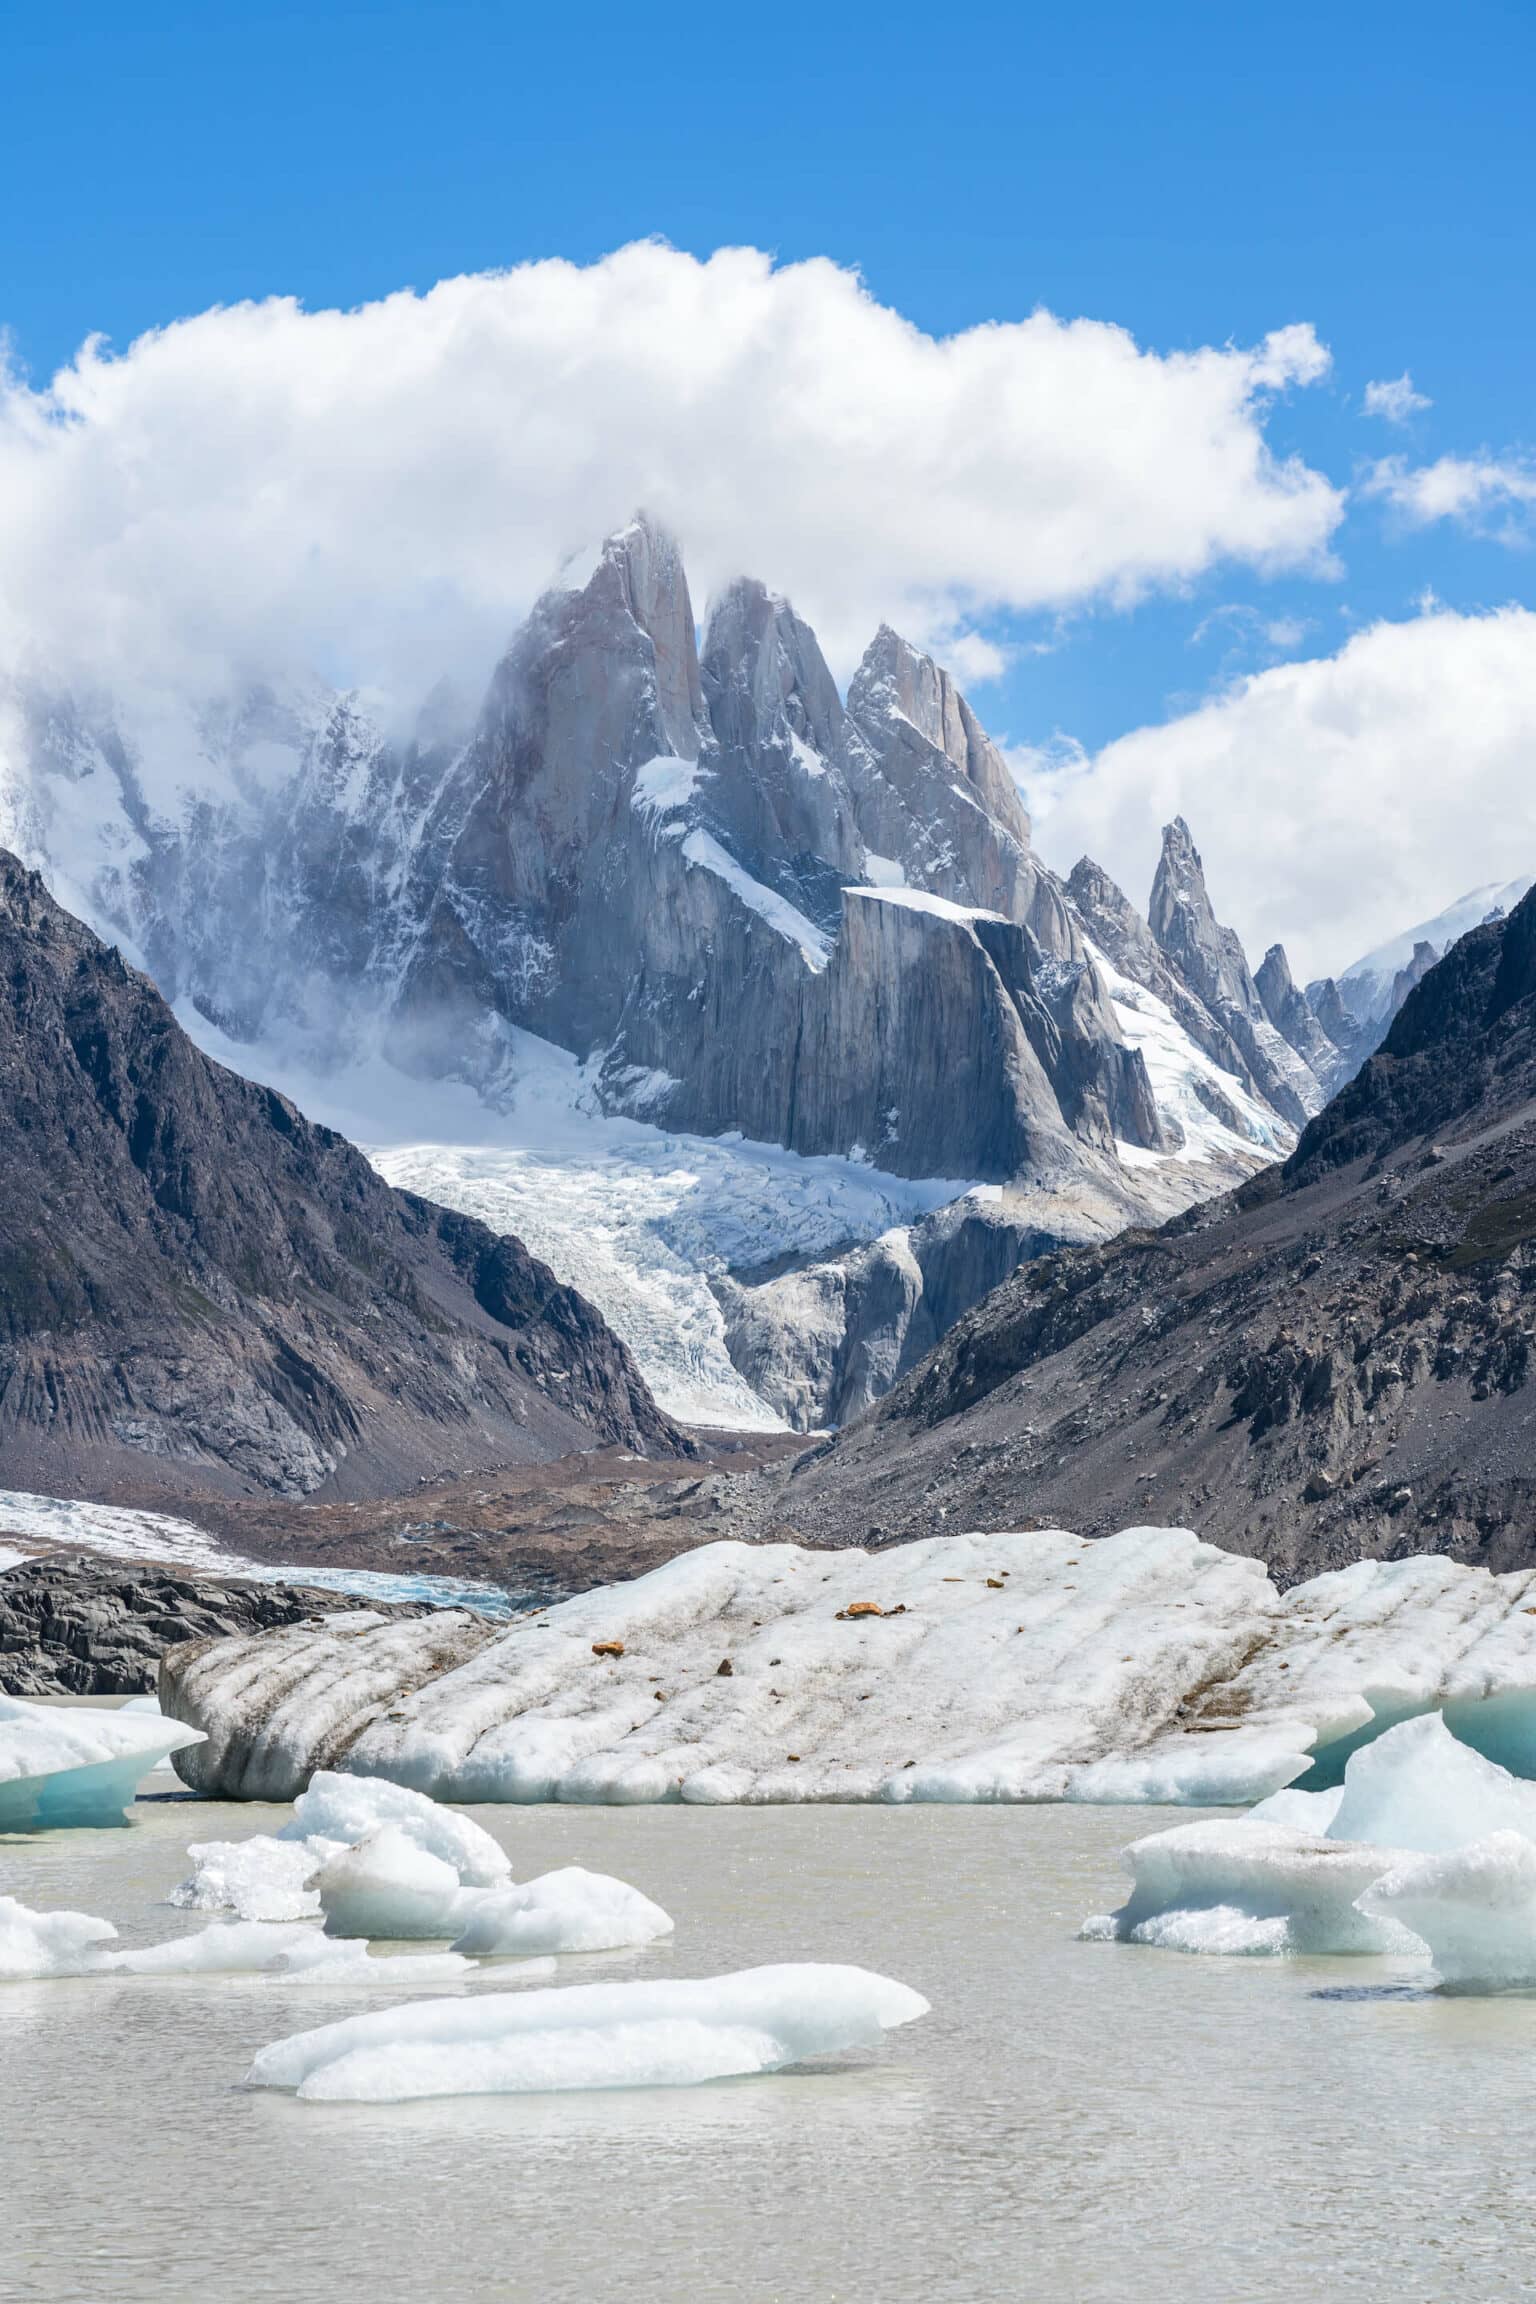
[(201, 1291), (1335, 1360), (743, 902)]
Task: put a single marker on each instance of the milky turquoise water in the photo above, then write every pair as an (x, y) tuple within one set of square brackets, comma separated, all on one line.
[(1074, 2122)]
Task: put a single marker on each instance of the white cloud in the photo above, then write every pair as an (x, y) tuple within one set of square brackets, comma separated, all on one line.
[(1395, 399), (1334, 800), (383, 491), (1471, 489)]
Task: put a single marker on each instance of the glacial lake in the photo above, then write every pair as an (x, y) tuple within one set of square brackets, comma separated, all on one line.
[(1073, 2122)]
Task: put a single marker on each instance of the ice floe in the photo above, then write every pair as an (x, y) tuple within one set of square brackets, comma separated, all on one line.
[(571, 1910), (55, 1944), (629, 2035), (66, 1765), (388, 1886), (1242, 1885)]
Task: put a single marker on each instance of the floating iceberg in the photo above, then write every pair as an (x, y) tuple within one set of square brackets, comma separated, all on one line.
[(1303, 1872), (1043, 1666), (70, 1765), (272, 1878), (387, 1886), (47, 1944), (571, 1910), (257, 1879), (1242, 1885), (1475, 1908), (631, 2035), (345, 1809), (1418, 1787)]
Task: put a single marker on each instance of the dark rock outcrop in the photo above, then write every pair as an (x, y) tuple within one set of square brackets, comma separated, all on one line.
[(190, 1272), (73, 1625)]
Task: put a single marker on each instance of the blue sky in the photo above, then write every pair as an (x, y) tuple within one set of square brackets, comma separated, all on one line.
[(1197, 174)]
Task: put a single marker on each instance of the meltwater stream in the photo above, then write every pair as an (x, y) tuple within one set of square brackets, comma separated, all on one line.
[(1073, 2122)]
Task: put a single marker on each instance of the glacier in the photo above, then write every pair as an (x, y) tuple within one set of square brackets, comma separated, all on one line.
[(1035, 1665), (631, 2035)]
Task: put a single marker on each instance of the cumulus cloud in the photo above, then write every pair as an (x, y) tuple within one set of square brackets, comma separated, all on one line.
[(382, 492), (1482, 492), (1334, 800), (1395, 399)]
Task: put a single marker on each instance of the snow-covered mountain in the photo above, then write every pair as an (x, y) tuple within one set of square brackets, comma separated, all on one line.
[(1370, 986), (742, 905)]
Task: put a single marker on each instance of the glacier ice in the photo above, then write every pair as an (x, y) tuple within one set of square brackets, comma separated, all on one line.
[(1303, 1870), (1236, 1885), (571, 1910), (1143, 1666), (64, 1765), (346, 1809), (53, 1944), (1473, 1906), (642, 2034), (263, 1878), (389, 1886), (1419, 1787), (49, 1943)]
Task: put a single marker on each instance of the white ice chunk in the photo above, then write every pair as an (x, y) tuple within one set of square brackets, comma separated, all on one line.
[(571, 1910), (257, 1879), (1237, 1885), (1417, 1787), (388, 1886), (49, 1943), (1475, 1908), (348, 1808), (1303, 1811), (662, 2034), (255, 1948), (66, 1765)]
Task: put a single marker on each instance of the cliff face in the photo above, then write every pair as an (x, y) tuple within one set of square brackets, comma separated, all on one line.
[(191, 1273), (1335, 1361)]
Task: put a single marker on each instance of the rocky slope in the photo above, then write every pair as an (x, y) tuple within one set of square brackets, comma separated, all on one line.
[(1334, 1361), (194, 1277), (75, 1626)]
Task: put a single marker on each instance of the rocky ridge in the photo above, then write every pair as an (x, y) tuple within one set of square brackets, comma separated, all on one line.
[(195, 1278), (1333, 1361)]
